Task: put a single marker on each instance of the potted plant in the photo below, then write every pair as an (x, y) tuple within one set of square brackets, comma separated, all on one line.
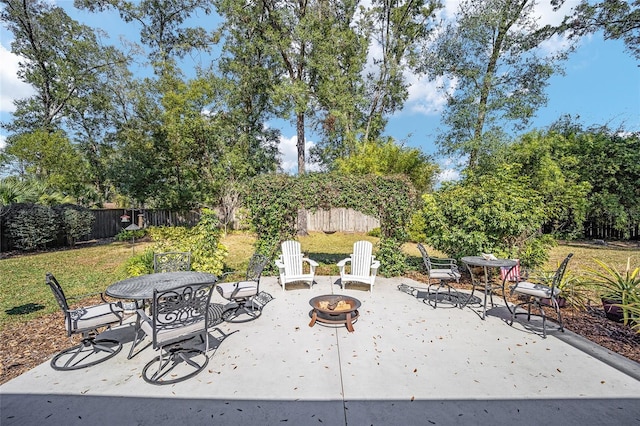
[(619, 292), (572, 289)]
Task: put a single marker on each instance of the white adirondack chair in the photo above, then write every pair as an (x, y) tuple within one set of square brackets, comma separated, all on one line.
[(364, 267), (290, 264)]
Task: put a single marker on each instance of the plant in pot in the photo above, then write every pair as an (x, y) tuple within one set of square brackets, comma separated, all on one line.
[(619, 292), (573, 288)]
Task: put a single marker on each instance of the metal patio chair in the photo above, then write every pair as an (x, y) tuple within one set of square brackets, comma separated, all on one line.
[(177, 315), (87, 322), (534, 293), (241, 293), (171, 261), (442, 270)]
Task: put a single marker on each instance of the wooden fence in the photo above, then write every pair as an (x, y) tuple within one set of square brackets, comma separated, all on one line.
[(340, 219), (109, 222)]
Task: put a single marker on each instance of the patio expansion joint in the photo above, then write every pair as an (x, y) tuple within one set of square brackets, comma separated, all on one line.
[(344, 406)]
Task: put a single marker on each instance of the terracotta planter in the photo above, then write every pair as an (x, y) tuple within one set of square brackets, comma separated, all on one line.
[(611, 310)]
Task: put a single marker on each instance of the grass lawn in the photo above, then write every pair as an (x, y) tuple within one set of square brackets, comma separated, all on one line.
[(24, 295)]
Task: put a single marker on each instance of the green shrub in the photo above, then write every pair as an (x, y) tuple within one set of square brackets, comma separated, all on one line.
[(32, 226), (125, 235), (495, 213), (203, 241), (140, 264), (393, 262), (375, 232), (416, 228), (76, 221)]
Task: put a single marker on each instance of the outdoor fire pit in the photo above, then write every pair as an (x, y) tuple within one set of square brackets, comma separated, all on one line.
[(334, 309)]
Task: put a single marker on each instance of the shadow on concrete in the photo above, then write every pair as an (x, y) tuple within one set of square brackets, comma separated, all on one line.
[(31, 409)]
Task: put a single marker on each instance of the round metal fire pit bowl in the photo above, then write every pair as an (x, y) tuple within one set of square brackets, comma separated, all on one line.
[(334, 309)]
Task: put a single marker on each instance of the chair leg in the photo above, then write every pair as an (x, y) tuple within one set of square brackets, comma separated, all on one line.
[(241, 313), (137, 338), (543, 315), (443, 284), (89, 352), (171, 359)]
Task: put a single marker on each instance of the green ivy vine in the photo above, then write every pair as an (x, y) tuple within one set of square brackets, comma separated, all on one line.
[(274, 200)]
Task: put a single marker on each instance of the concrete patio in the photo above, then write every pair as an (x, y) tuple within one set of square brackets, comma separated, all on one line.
[(406, 363)]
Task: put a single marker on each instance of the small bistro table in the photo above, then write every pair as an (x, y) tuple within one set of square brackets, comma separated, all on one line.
[(486, 264)]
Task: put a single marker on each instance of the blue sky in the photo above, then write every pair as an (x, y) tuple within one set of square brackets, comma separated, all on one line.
[(601, 86)]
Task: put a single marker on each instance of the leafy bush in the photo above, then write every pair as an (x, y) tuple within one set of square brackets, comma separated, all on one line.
[(125, 235), (141, 264), (207, 252), (496, 213), (394, 259), (76, 222), (203, 241), (32, 226), (416, 228), (375, 232)]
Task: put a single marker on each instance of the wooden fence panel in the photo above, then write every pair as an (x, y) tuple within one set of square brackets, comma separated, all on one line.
[(109, 223), (340, 219)]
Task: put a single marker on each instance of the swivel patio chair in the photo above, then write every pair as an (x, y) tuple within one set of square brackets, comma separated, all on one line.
[(171, 261), (87, 321), (291, 265), (241, 293), (364, 267), (442, 270), (177, 315), (534, 293)]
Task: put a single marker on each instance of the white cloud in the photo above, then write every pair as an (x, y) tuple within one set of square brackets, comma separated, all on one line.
[(289, 155), (11, 87), (3, 142), (450, 169), (427, 97), (548, 16), (448, 175)]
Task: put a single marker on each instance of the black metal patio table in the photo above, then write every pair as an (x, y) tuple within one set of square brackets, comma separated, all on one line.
[(486, 264), (141, 287)]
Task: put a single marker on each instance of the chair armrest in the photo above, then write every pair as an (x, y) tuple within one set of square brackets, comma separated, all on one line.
[(444, 263), (225, 274), (343, 262), (143, 316), (443, 260), (375, 264), (311, 262)]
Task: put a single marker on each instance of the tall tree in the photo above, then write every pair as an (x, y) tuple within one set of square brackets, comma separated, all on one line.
[(166, 117), (68, 67), (396, 28), (492, 53), (62, 62), (305, 41), (619, 19), (162, 24)]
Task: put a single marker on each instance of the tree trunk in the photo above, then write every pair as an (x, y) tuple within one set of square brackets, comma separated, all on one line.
[(301, 142), (302, 214)]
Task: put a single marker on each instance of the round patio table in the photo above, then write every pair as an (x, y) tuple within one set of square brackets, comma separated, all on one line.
[(141, 287), (486, 264)]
